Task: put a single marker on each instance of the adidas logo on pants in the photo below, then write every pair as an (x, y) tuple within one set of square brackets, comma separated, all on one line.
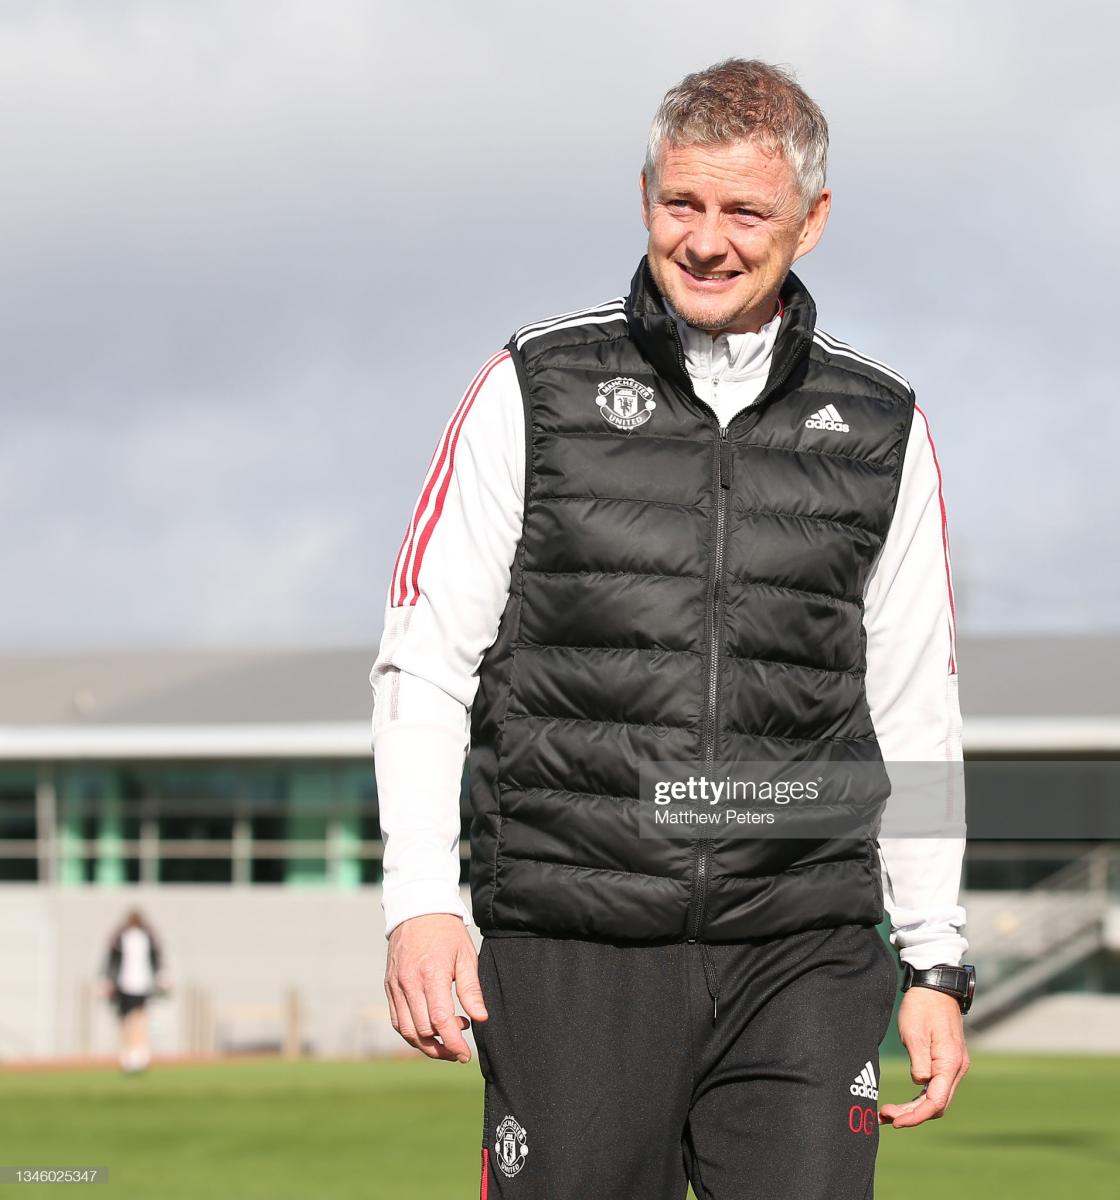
[(865, 1084)]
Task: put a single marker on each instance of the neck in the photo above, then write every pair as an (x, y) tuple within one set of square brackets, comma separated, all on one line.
[(753, 323)]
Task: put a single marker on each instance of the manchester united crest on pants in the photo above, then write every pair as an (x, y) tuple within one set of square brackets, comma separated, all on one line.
[(510, 1146)]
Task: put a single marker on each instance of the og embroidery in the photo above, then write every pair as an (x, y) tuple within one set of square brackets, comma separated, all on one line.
[(618, 401), (510, 1146)]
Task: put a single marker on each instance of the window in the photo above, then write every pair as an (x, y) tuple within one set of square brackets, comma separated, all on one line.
[(18, 847)]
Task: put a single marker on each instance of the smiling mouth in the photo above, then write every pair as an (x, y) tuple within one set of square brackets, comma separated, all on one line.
[(709, 276)]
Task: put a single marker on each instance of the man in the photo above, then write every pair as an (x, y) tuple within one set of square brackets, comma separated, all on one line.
[(681, 525)]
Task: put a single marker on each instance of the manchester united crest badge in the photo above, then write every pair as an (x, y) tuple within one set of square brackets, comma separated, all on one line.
[(625, 402), (510, 1146)]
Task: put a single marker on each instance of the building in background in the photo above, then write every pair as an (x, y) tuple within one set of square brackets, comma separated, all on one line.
[(232, 795), (188, 767)]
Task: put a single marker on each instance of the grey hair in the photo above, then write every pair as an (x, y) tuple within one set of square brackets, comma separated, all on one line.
[(745, 100)]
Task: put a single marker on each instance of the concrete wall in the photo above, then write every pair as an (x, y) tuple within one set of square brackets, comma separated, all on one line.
[(1063, 1023), (241, 946), (1030, 919)]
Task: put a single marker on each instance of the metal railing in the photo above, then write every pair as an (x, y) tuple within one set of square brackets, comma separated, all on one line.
[(1046, 930)]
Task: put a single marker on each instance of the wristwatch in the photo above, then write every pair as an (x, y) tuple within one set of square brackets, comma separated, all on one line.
[(958, 982)]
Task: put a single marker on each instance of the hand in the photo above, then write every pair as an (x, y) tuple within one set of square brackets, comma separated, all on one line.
[(104, 989), (425, 954), (932, 1030)]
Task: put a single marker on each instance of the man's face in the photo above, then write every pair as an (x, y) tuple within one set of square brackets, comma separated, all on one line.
[(724, 226)]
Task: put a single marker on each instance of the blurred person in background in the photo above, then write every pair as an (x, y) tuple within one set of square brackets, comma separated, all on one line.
[(132, 974)]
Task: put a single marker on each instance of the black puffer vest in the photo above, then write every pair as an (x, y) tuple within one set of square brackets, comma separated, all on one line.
[(678, 593)]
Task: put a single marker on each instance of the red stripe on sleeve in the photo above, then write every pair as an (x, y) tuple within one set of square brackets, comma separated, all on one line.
[(945, 546), (445, 479), (406, 568), (484, 1187), (412, 519)]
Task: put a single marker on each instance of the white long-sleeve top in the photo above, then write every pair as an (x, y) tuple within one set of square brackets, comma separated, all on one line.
[(136, 976), (450, 584)]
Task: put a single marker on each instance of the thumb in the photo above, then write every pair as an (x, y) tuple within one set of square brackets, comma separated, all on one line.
[(468, 988)]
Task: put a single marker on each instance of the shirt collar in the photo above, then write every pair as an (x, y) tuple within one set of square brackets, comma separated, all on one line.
[(729, 355), (655, 332)]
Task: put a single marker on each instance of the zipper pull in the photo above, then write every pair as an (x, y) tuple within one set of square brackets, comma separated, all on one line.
[(725, 464)]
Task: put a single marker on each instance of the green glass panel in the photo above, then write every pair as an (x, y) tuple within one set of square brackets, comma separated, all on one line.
[(308, 801)]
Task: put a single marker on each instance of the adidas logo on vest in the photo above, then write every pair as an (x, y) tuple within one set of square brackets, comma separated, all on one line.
[(865, 1084), (827, 418)]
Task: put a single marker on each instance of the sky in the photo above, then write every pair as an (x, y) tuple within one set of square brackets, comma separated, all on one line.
[(253, 252)]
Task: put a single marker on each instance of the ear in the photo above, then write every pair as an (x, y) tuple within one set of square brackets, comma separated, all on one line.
[(815, 221), (643, 185)]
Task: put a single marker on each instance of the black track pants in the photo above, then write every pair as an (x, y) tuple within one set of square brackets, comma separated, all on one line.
[(749, 1069)]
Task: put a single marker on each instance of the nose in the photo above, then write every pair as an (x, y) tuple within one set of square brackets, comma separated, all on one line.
[(706, 239)]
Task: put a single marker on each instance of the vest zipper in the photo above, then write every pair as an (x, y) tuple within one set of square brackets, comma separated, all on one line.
[(724, 467), (724, 462)]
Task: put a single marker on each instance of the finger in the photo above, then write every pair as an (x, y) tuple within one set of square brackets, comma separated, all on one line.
[(414, 988), (468, 987), (940, 1087), (406, 1023), (927, 1107), (890, 1112), (434, 1048), (921, 1111), (921, 1067), (402, 1021), (393, 1019), (947, 1053), (962, 1070), (445, 1021)]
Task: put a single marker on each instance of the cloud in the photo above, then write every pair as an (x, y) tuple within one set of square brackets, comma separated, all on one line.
[(253, 252)]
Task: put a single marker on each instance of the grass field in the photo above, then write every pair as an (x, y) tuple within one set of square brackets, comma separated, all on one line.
[(1023, 1128)]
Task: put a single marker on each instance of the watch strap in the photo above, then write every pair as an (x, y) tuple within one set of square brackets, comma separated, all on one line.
[(955, 981)]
